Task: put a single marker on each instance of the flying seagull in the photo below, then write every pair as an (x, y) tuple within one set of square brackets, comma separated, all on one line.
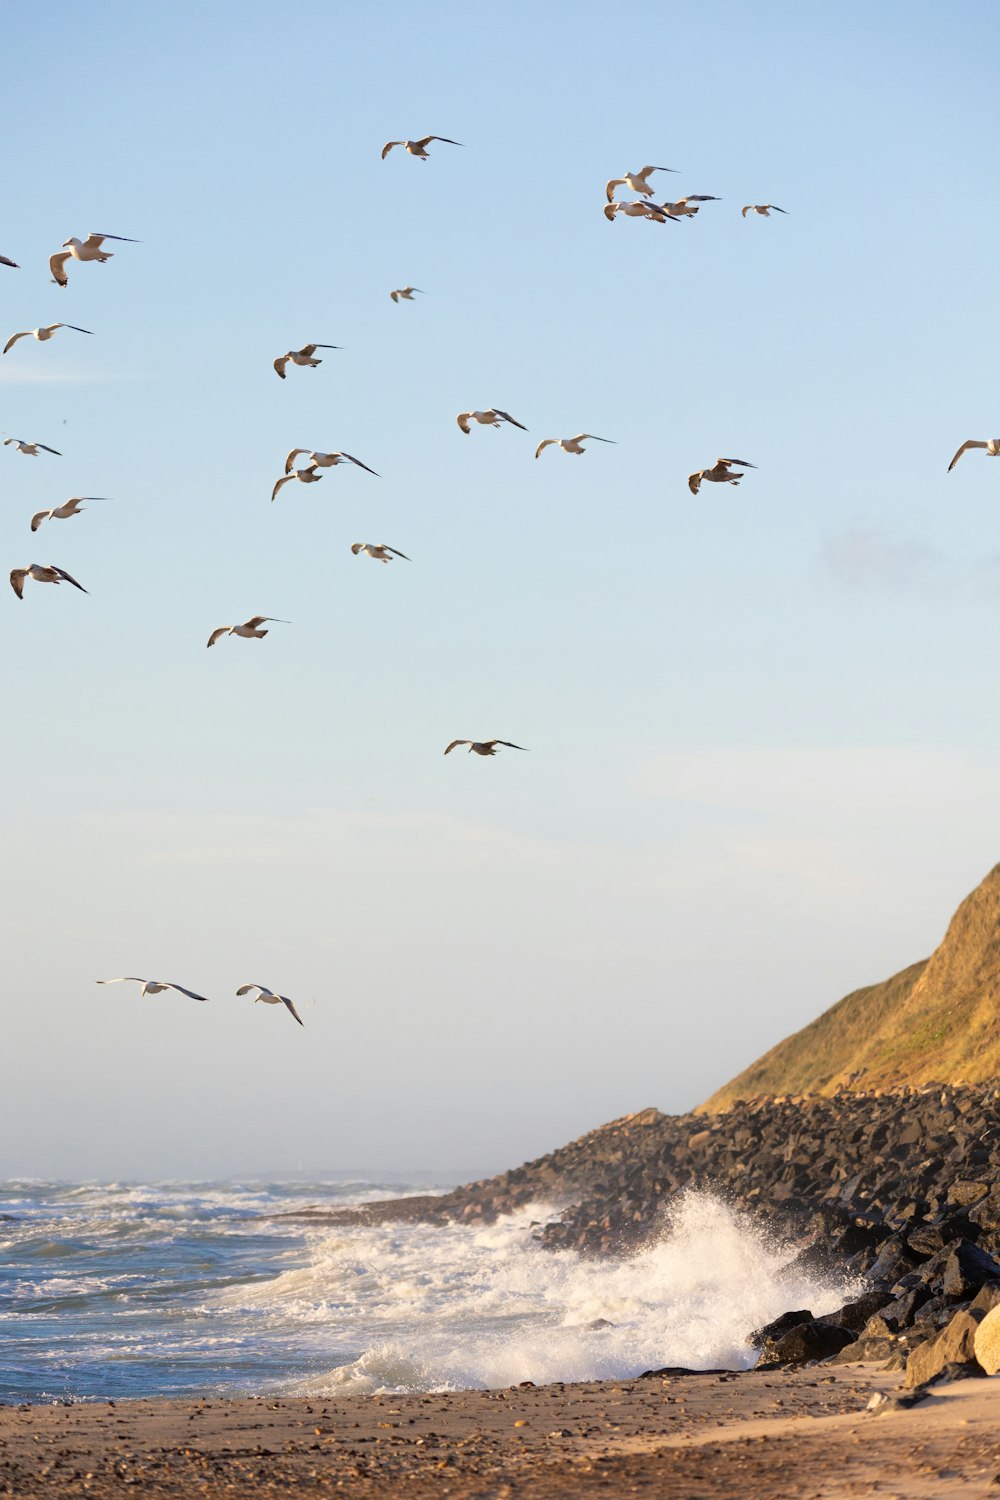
[(686, 207), (31, 449), (41, 573), (248, 628), (64, 511), (12, 263), (378, 550), (639, 209), (764, 209), (418, 148), (269, 998), (405, 293), (326, 460), (41, 334), (303, 356), (491, 418), (992, 446), (719, 473), (636, 181), (573, 444), (484, 747), (88, 249), (152, 986), (309, 475)]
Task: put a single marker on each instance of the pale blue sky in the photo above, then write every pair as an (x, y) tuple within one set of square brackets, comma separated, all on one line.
[(762, 722)]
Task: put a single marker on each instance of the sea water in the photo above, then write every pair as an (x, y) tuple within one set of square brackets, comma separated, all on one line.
[(109, 1291)]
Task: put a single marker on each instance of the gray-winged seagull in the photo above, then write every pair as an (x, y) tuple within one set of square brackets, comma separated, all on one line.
[(41, 573), (88, 249), (270, 998)]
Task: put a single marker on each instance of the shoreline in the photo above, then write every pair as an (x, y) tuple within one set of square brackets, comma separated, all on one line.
[(775, 1434)]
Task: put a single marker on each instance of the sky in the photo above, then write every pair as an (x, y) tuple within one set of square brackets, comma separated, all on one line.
[(761, 722)]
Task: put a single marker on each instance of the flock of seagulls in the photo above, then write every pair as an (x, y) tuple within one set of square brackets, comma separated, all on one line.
[(157, 986)]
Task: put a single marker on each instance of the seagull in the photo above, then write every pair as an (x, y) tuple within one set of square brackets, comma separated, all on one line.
[(326, 460), (31, 449), (303, 356), (719, 473), (992, 446), (41, 573), (573, 444), (404, 292), (491, 418), (685, 207), (152, 986), (12, 263), (378, 551), (248, 628), (64, 511), (308, 476), (764, 209), (88, 249), (640, 209), (41, 334), (484, 747), (418, 148), (269, 998), (636, 181)]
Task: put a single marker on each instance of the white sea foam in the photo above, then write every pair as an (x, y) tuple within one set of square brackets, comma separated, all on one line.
[(420, 1307)]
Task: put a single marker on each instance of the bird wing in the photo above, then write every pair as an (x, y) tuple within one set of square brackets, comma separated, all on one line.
[(701, 198), (38, 518), (245, 989), (395, 553), (17, 577), (49, 450), (122, 979), (360, 465), (74, 328), (289, 461), (357, 547), (774, 207), (694, 482), (14, 338), (426, 140), (394, 296), (67, 577), (279, 366), (258, 620), (970, 443), (457, 742), (610, 189), (594, 438), (731, 463), (462, 419), (311, 348), (750, 207), (388, 147), (94, 240), (545, 443), (510, 745), (283, 480), (12, 263), (508, 418), (57, 265), (222, 630), (285, 1001), (169, 985)]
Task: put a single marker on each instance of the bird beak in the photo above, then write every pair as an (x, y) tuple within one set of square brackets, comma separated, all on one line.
[(65, 243)]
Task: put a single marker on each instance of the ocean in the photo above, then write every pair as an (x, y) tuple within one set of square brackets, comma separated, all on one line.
[(118, 1290)]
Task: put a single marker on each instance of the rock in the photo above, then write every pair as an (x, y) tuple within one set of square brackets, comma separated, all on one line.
[(987, 1298), (864, 1351), (805, 1342), (854, 1315), (955, 1344), (773, 1331), (986, 1341), (966, 1270), (964, 1193)]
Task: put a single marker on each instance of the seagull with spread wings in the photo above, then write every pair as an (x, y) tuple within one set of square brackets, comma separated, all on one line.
[(309, 475), (249, 628), (378, 550), (484, 747), (42, 334), (418, 148), (491, 418), (992, 446), (636, 181), (640, 208), (764, 209), (404, 293), (63, 512), (719, 473), (152, 986), (303, 356), (41, 573), (88, 249), (573, 444), (326, 460), (270, 998), (685, 208), (31, 449)]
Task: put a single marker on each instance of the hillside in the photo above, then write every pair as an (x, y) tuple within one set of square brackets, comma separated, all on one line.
[(936, 1021)]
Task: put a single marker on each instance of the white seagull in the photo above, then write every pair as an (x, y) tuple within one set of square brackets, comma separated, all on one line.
[(248, 628), (12, 263), (573, 444), (636, 181), (404, 292), (992, 446), (88, 249), (303, 356), (686, 207), (326, 460), (378, 550), (152, 986), (270, 998), (64, 511), (491, 418), (31, 449), (764, 209), (639, 209), (719, 473), (41, 334), (309, 475), (484, 747), (41, 573), (418, 148)]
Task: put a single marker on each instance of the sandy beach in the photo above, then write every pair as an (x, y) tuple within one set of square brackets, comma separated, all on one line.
[(771, 1434)]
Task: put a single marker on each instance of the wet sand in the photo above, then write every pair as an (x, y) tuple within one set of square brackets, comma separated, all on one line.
[(770, 1435)]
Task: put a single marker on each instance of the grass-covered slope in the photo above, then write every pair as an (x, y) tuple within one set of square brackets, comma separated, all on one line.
[(937, 1021)]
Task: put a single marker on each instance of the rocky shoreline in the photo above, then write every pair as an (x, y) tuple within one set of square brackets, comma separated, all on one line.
[(900, 1188)]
